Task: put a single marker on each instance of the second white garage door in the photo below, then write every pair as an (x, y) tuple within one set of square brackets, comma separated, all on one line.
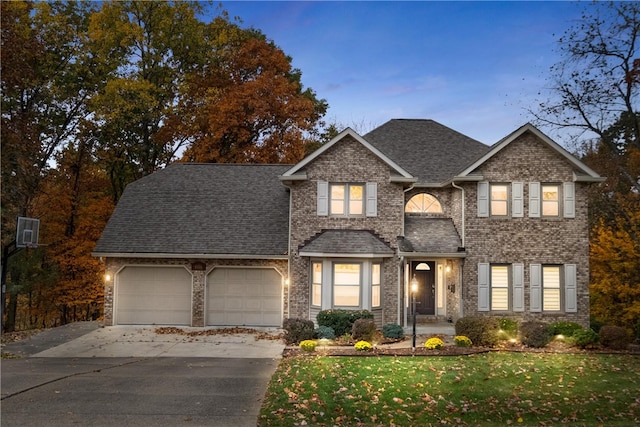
[(244, 297), (153, 296)]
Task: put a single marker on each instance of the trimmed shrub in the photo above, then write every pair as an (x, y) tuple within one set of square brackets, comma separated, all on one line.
[(535, 334), (509, 326), (325, 332), (595, 324), (585, 338), (462, 341), (568, 329), (308, 345), (393, 331), (297, 330), (363, 330), (434, 343), (482, 331), (362, 346), (615, 337), (341, 320)]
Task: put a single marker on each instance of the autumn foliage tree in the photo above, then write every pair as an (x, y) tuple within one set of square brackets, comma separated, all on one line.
[(594, 95), (250, 107), (97, 95), (615, 270)]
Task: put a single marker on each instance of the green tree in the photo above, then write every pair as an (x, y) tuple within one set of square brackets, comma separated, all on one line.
[(153, 45)]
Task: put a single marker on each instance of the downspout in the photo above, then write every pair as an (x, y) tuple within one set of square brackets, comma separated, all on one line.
[(462, 211), (289, 254), (461, 305)]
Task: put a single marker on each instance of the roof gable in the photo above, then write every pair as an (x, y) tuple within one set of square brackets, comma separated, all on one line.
[(295, 172), (586, 173)]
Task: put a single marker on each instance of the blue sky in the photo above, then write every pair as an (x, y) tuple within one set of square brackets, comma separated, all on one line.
[(472, 66)]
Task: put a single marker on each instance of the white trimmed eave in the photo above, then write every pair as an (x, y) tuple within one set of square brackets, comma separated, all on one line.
[(156, 255), (340, 255), (432, 254)]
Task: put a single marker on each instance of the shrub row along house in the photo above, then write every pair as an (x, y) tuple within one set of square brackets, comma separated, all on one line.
[(488, 231)]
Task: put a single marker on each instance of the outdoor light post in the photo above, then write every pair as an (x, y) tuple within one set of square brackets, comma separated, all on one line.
[(414, 290)]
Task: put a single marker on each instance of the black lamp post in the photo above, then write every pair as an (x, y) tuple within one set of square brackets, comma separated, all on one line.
[(414, 290)]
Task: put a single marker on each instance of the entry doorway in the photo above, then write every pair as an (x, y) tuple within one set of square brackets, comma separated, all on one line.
[(426, 293)]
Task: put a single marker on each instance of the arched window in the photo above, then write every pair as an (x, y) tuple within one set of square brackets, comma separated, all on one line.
[(423, 203)]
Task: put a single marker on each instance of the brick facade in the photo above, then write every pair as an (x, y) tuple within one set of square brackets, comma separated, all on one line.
[(346, 162), (527, 240), (494, 240)]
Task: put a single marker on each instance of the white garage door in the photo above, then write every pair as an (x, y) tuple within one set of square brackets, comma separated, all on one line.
[(153, 296), (244, 296)]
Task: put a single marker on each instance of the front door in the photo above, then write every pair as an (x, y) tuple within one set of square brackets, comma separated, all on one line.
[(426, 294)]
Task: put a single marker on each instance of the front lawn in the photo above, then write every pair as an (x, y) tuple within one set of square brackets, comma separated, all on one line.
[(483, 389)]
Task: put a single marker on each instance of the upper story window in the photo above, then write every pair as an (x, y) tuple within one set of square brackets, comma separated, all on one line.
[(423, 203), (347, 199), (550, 200), (499, 200)]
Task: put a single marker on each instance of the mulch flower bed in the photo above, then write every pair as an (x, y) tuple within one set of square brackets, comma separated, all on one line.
[(384, 351)]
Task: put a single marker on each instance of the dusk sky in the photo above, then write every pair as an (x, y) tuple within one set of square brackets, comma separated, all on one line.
[(472, 66)]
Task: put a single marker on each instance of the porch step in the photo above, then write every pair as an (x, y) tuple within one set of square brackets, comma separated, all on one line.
[(433, 328), (427, 319)]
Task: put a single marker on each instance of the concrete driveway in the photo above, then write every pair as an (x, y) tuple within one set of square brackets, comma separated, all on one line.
[(87, 339), (129, 376)]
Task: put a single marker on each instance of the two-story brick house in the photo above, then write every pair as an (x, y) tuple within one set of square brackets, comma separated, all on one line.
[(480, 230)]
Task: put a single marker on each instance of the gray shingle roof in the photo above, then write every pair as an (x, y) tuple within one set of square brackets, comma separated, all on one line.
[(346, 242), (430, 235), (431, 152), (192, 208)]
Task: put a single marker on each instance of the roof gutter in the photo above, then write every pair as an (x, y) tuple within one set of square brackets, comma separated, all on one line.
[(412, 255), (183, 256)]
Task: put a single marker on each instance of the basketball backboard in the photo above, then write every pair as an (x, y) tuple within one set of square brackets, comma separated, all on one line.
[(27, 232)]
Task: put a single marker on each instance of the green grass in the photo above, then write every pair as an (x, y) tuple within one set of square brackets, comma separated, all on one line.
[(484, 389)]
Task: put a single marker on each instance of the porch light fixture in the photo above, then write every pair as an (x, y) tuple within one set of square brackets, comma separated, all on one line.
[(423, 266), (414, 291), (107, 277)]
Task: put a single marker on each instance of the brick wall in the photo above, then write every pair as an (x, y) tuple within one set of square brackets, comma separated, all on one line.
[(346, 162), (527, 240)]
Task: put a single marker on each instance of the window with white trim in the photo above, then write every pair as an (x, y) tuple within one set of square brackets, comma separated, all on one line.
[(316, 284), (499, 288), (423, 203), (346, 200), (550, 196), (347, 282), (499, 200), (551, 288), (375, 285)]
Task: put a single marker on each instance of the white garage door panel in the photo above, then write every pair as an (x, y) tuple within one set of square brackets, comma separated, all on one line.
[(244, 296), (153, 296)]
